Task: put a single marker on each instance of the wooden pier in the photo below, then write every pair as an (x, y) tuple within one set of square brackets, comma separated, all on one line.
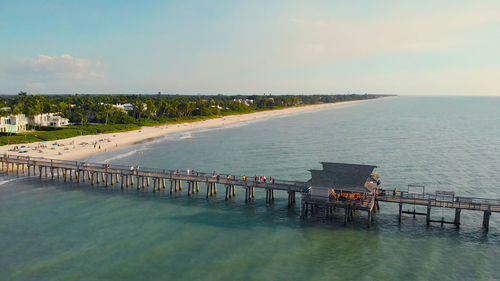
[(171, 181), (151, 178)]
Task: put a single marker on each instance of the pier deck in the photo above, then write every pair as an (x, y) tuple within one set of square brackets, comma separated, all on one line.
[(127, 176)]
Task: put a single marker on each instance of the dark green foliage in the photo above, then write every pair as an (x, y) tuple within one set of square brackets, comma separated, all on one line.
[(147, 110)]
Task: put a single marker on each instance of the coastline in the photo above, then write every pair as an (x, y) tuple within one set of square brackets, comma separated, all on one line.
[(83, 146)]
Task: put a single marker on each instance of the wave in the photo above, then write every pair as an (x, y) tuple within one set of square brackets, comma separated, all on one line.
[(185, 136), (121, 155), (7, 181)]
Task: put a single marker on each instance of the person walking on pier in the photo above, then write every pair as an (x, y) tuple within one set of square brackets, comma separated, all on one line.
[(255, 178)]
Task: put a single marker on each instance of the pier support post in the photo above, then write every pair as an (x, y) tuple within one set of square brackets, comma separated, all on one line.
[(92, 178), (400, 212), (428, 216), (122, 183), (112, 179), (486, 219), (106, 179), (370, 216), (39, 171), (346, 214), (457, 217)]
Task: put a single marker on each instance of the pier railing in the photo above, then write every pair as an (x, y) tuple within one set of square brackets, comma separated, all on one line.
[(131, 169)]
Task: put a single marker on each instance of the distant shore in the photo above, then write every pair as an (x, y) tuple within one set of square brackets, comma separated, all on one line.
[(88, 145)]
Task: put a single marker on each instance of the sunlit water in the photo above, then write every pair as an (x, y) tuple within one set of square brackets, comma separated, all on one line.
[(55, 231)]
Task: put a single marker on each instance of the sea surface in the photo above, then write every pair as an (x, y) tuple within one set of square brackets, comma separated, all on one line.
[(55, 231)]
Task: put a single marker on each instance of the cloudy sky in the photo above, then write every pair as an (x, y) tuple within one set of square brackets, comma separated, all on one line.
[(446, 47)]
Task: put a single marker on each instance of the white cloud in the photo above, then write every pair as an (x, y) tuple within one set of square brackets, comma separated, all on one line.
[(53, 74), (62, 66), (313, 41)]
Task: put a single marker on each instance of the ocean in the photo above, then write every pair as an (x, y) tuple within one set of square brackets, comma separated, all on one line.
[(55, 231)]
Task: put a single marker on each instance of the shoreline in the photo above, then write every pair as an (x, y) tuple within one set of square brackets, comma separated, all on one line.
[(89, 145)]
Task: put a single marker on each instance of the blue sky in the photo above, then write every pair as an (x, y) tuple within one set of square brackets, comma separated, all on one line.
[(250, 47)]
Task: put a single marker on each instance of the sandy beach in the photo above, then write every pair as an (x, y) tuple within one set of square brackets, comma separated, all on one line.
[(88, 145)]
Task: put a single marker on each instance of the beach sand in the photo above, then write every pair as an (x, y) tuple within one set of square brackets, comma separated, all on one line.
[(83, 146)]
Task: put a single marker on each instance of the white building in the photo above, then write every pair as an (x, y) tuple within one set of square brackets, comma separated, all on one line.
[(13, 123), (48, 119), (125, 106)]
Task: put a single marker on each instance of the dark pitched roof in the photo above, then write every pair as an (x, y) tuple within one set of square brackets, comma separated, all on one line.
[(348, 177)]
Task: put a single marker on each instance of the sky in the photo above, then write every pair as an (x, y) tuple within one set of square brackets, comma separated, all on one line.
[(446, 47)]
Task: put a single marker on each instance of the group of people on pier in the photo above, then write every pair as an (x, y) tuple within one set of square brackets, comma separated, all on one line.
[(263, 179)]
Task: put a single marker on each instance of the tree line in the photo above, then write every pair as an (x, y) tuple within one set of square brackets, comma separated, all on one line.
[(150, 109)]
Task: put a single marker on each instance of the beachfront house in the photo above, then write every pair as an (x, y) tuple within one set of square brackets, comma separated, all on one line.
[(13, 123), (343, 181), (124, 107), (48, 119), (246, 102)]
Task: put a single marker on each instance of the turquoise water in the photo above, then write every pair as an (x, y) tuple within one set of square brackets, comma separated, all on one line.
[(55, 231)]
